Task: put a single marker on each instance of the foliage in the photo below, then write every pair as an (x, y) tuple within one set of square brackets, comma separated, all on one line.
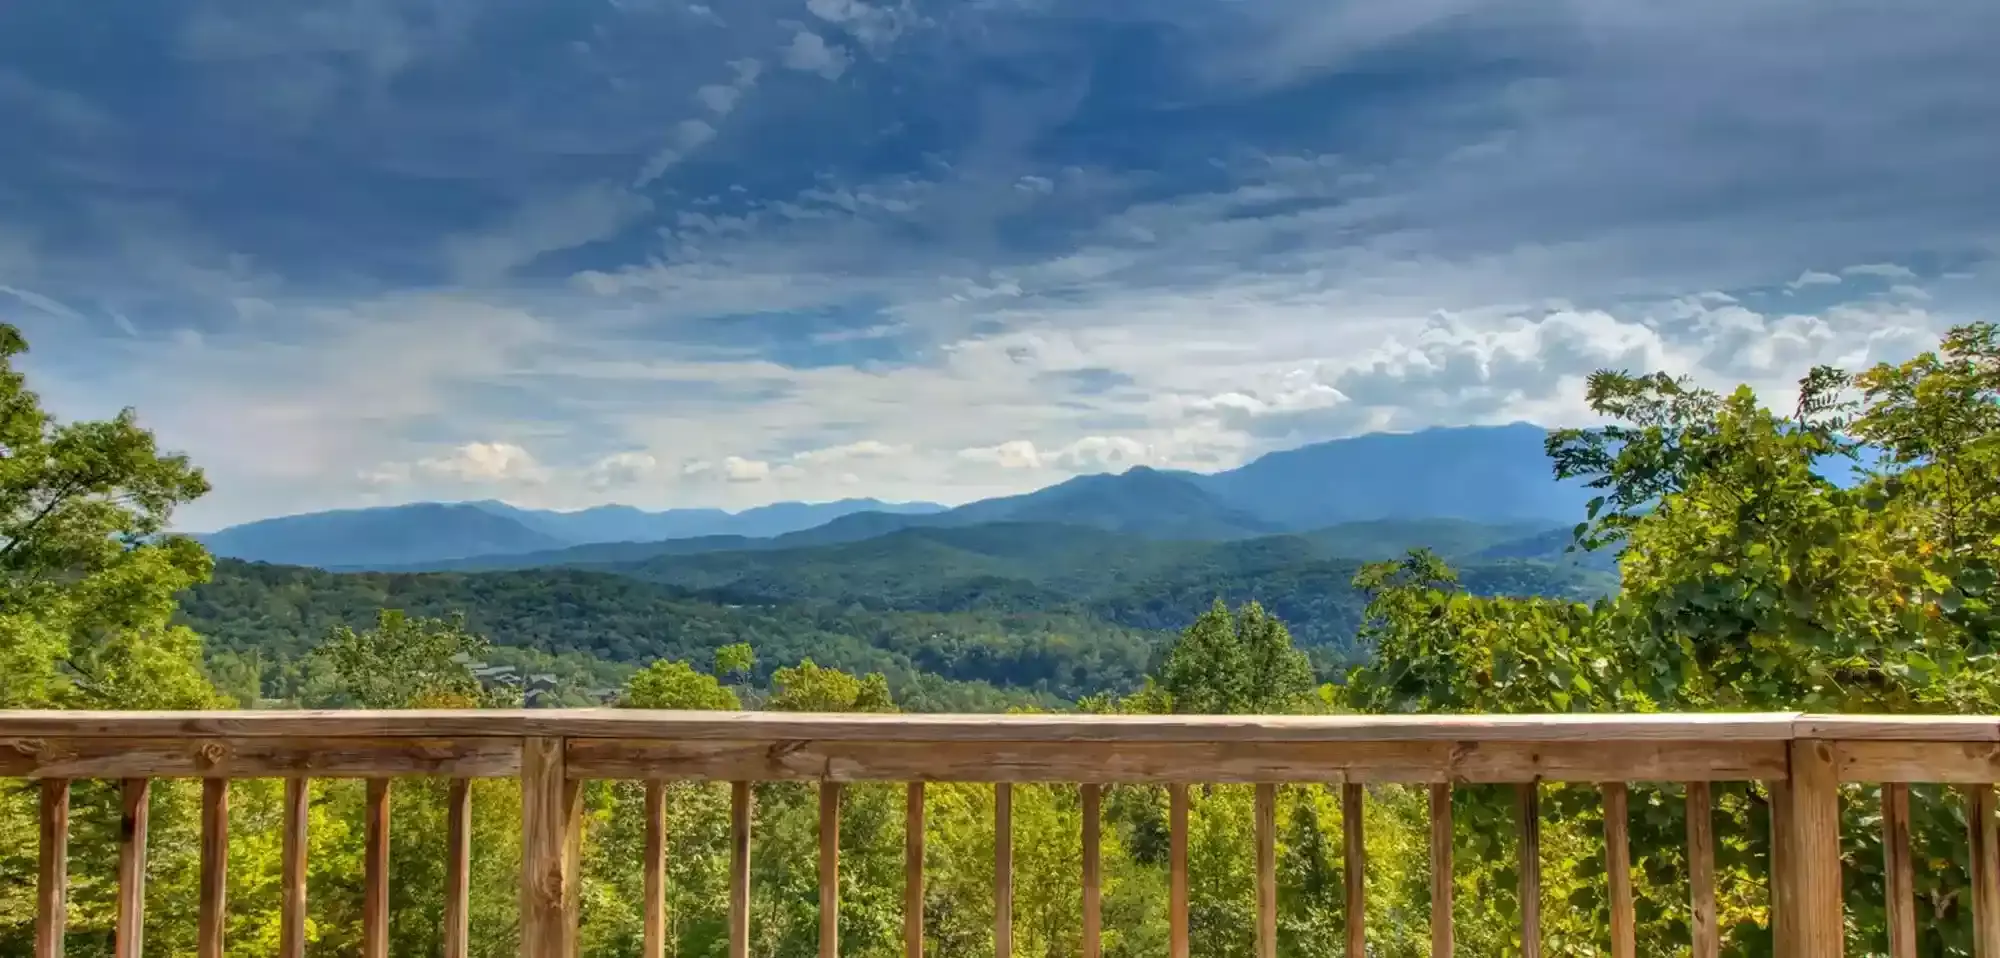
[(1752, 580), (404, 661), (1236, 664), (87, 582)]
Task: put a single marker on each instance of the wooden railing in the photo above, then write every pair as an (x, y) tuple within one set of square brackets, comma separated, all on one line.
[(1801, 759)]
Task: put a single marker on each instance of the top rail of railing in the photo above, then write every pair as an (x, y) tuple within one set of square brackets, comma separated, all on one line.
[(1038, 727)]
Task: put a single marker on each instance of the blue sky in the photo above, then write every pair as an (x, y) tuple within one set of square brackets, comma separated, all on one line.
[(650, 251)]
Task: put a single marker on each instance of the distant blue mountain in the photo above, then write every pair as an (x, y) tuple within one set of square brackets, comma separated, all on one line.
[(430, 533), (395, 535), (1491, 476), (1487, 474), (628, 524)]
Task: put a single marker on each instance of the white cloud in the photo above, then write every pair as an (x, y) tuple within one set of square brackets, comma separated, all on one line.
[(1813, 277), (739, 469), (1883, 270), (541, 226), (722, 98), (687, 137), (1012, 454), (810, 53), (1097, 453), (485, 462), (622, 469), (849, 452)]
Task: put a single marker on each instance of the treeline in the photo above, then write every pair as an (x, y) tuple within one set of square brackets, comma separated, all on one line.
[(1751, 581)]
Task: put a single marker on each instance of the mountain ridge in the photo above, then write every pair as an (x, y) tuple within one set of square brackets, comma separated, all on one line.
[(1481, 474)]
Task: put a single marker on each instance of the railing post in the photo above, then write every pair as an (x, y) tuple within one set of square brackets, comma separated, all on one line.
[(549, 814), (1808, 871)]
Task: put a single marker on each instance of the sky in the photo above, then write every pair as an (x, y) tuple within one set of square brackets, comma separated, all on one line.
[(568, 252)]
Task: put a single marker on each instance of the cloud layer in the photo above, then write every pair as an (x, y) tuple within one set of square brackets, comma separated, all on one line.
[(669, 253)]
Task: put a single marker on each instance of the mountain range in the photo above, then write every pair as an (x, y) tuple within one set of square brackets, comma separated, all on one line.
[(1491, 476)]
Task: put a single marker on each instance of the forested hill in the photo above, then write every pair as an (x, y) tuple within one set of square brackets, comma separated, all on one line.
[(1055, 612)]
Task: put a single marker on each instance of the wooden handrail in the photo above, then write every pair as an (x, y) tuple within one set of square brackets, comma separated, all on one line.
[(1801, 759)]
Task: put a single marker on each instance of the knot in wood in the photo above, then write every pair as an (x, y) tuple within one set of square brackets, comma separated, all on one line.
[(212, 753)]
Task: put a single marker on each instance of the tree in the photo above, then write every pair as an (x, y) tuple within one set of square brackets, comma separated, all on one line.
[(402, 662), (734, 661), (87, 580), (1241, 663), (809, 688), (676, 685)]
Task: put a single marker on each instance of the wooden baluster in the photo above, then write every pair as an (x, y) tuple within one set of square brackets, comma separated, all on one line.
[(655, 868), (739, 870), (573, 864), (375, 872), (829, 870), (292, 870), (1355, 865), (1528, 809), (52, 876), (1442, 943), (135, 814), (1782, 943), (1706, 932), (913, 871), (458, 869), (1618, 869), (548, 818), (213, 908), (1267, 870), (1985, 856), (1812, 859), (1898, 872), (1177, 871), (1093, 896), (1003, 870)]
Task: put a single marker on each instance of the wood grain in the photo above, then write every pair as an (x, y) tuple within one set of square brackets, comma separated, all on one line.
[(1092, 797), (829, 870), (1618, 869), (739, 869), (1177, 871), (212, 911), (1782, 890), (52, 872), (654, 936), (1984, 852), (1898, 871), (545, 830), (770, 726), (1153, 762), (1355, 867), (458, 869), (913, 870), (572, 799), (135, 816), (1705, 928), (1441, 872), (1813, 858), (1266, 815), (1003, 870), (1943, 762), (292, 870), (256, 757), (1528, 819), (375, 871)]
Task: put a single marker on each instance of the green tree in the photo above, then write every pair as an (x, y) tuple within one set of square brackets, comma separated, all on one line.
[(1239, 663), (87, 580), (403, 662), (676, 685)]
